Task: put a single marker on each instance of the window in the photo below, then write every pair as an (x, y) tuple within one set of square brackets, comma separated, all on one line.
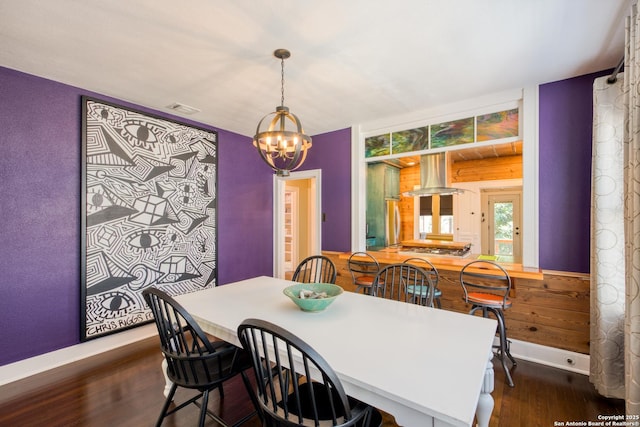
[(525, 100), (436, 214)]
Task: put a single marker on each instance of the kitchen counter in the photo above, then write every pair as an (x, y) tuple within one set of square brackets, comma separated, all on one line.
[(449, 263)]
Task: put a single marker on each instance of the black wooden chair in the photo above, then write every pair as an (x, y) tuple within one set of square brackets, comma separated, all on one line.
[(434, 275), (486, 287), (315, 269), (405, 283), (363, 268), (286, 396), (193, 361)]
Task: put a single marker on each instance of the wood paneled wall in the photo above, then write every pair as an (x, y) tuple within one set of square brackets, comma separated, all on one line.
[(553, 312), (409, 178), (496, 168)]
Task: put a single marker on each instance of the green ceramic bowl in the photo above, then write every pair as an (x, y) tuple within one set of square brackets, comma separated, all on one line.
[(310, 303)]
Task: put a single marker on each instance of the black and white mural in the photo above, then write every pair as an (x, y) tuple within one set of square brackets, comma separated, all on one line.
[(149, 213)]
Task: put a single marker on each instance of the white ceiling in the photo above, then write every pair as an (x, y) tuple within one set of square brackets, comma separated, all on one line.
[(352, 61)]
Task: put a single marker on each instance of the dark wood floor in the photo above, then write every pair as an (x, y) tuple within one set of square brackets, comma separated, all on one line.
[(124, 388)]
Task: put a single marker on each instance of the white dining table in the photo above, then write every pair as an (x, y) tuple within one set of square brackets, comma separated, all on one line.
[(424, 366)]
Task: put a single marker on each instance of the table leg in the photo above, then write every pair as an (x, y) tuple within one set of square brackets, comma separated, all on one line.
[(485, 402)]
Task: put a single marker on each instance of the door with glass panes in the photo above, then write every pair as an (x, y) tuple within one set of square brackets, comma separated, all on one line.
[(501, 224)]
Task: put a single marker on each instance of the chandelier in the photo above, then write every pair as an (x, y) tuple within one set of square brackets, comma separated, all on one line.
[(283, 144)]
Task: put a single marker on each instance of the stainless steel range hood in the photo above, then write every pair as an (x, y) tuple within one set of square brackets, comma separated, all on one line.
[(433, 177)]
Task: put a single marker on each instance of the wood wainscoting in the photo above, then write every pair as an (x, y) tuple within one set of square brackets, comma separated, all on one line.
[(552, 312)]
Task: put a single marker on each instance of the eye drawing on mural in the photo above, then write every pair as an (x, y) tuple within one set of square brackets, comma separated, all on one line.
[(149, 213)]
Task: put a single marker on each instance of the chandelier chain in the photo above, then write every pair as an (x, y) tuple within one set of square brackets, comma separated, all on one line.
[(282, 81)]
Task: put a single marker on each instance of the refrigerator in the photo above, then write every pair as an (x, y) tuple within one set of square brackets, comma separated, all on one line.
[(392, 222)]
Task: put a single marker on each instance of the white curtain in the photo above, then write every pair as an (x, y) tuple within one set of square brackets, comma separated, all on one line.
[(607, 240), (615, 231)]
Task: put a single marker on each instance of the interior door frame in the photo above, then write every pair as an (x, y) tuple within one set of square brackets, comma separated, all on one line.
[(315, 236)]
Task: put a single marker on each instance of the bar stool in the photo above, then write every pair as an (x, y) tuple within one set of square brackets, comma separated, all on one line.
[(486, 287), (363, 271)]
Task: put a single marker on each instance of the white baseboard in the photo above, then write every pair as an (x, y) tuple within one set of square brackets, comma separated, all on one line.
[(549, 356), (38, 364)]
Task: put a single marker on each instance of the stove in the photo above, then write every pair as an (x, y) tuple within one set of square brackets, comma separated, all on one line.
[(440, 252)]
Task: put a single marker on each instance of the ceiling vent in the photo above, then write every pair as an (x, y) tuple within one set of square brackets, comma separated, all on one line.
[(181, 108)]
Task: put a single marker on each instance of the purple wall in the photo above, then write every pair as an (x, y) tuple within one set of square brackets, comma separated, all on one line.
[(565, 133), (40, 167), (40, 198), (334, 149), (245, 211)]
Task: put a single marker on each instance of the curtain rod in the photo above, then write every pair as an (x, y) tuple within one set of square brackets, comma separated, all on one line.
[(614, 76)]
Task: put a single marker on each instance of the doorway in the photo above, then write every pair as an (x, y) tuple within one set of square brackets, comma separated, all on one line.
[(296, 228), (501, 224)]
